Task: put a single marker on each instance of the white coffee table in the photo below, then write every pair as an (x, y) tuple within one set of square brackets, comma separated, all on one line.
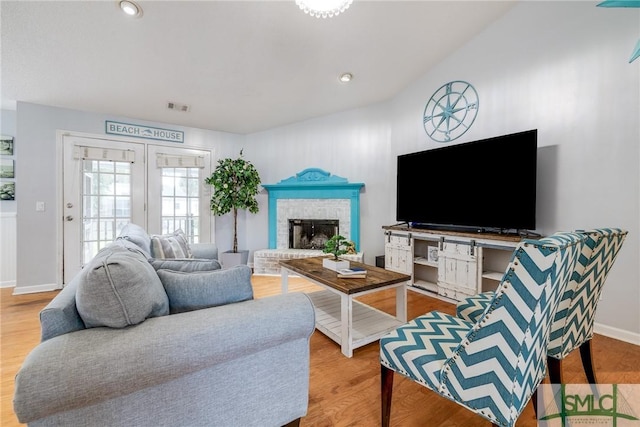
[(339, 316)]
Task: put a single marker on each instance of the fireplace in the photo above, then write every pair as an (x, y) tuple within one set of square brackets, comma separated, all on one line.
[(313, 194), (305, 211), (311, 233)]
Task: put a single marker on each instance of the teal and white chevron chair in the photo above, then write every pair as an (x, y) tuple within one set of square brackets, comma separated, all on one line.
[(572, 327), (492, 366)]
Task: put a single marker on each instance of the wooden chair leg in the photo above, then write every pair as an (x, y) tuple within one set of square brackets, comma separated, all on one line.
[(555, 370), (386, 391), (587, 362)]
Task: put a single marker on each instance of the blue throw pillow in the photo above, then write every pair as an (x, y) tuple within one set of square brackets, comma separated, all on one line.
[(203, 289)]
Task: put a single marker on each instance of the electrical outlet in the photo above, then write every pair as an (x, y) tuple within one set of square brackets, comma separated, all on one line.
[(39, 206)]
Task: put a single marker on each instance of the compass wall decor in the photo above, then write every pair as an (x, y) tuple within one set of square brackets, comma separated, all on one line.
[(451, 111)]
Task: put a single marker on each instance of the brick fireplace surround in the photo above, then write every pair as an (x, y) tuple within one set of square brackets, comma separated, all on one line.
[(310, 194)]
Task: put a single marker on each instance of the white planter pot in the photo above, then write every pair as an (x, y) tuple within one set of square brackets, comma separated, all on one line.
[(230, 259), (331, 264)]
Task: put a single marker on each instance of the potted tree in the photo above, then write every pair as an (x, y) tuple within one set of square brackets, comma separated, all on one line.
[(235, 185), (336, 246)]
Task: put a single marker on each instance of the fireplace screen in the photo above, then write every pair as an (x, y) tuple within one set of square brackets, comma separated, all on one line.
[(311, 233)]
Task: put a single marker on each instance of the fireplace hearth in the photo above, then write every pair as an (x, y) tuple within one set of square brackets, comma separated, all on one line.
[(311, 233)]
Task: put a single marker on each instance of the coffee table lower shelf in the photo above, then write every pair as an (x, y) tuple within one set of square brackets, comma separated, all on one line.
[(368, 323)]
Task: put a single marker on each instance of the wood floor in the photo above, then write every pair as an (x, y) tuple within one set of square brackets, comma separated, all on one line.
[(343, 392)]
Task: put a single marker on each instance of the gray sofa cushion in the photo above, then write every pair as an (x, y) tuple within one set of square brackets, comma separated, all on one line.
[(138, 235), (186, 265), (198, 290), (119, 288), (174, 245)]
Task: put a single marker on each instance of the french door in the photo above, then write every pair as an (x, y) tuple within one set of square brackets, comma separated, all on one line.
[(108, 184), (178, 197)]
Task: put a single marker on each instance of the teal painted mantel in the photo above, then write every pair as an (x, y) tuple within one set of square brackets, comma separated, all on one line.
[(314, 183)]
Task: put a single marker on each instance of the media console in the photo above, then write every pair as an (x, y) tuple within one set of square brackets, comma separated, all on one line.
[(450, 265)]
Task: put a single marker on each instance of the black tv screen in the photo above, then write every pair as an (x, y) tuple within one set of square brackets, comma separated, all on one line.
[(487, 185)]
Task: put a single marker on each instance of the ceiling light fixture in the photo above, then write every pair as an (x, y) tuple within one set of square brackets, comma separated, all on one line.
[(324, 8), (130, 8), (345, 77)]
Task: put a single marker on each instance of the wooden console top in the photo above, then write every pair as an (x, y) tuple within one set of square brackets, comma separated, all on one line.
[(488, 236)]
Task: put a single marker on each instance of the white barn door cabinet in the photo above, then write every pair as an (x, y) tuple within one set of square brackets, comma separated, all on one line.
[(447, 264)]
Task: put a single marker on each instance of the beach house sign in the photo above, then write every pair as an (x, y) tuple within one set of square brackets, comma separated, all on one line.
[(147, 132)]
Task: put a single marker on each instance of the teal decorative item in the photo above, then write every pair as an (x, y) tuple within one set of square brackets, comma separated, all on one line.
[(619, 3), (624, 3), (451, 111), (636, 53)]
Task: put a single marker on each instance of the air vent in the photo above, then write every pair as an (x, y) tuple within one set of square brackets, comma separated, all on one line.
[(178, 107)]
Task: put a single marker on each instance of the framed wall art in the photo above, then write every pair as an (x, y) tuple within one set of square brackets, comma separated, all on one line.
[(6, 168), (7, 190), (6, 145)]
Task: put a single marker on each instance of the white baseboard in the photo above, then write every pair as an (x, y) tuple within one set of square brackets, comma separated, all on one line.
[(8, 284), (616, 333), (48, 287)]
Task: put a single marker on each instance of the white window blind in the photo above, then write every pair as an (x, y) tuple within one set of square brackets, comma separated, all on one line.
[(107, 154), (179, 161)]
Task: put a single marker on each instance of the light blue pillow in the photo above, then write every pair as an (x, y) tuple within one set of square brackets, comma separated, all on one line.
[(136, 234), (119, 288), (186, 265), (203, 289)]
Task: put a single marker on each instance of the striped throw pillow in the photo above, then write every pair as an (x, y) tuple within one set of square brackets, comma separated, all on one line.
[(173, 245)]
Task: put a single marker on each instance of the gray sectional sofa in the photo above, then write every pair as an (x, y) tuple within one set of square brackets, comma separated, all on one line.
[(139, 341)]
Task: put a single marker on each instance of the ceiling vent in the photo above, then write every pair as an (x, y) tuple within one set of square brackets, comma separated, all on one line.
[(178, 107)]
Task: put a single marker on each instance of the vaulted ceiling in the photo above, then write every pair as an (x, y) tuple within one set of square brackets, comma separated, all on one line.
[(241, 66)]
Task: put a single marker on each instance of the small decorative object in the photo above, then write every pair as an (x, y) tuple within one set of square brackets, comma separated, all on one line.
[(235, 185), (635, 54), (6, 145), (352, 273), (432, 254), (451, 111), (337, 245)]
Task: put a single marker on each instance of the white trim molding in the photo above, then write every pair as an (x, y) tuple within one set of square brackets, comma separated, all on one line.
[(616, 333), (47, 287), (8, 248)]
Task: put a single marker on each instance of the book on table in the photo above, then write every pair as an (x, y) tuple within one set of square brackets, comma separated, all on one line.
[(352, 273)]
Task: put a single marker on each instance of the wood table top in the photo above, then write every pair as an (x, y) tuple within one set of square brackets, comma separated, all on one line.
[(376, 277)]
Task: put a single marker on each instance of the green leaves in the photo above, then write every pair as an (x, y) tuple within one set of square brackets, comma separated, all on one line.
[(235, 184), (337, 245)]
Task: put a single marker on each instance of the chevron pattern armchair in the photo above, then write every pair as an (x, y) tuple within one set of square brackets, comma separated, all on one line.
[(572, 327), (492, 366)]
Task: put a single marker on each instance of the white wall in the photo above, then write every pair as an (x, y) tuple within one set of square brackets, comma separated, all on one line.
[(560, 67), (37, 174)]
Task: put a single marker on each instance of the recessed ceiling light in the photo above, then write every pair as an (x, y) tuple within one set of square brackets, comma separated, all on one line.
[(130, 8), (345, 77)]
